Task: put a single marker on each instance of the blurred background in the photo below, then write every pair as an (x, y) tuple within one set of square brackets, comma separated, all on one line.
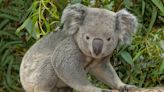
[(23, 22)]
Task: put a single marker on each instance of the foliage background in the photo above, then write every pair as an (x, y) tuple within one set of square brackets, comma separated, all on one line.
[(22, 22)]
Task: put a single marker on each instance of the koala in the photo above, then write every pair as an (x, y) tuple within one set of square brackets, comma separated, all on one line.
[(60, 61)]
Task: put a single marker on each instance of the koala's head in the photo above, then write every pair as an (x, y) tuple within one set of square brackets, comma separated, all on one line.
[(98, 31)]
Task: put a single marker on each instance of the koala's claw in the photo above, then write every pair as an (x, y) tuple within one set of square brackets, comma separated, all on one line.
[(128, 88)]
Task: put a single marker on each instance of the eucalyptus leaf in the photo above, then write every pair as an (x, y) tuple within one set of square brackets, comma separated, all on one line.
[(127, 57), (160, 5), (153, 18), (162, 67), (75, 1), (30, 26)]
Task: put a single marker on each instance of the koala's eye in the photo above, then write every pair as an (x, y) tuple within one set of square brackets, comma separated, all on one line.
[(87, 37), (109, 39)]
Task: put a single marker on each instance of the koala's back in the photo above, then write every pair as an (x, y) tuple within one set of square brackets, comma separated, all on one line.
[(43, 48), (36, 62)]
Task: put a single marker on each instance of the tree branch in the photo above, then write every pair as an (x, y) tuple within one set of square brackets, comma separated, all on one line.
[(155, 89)]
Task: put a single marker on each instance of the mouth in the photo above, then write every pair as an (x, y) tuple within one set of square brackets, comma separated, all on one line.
[(97, 56), (94, 55)]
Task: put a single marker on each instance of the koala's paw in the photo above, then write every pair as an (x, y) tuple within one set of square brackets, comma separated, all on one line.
[(106, 90), (128, 88)]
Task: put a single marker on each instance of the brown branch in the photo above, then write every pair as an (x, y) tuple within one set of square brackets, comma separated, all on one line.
[(155, 89)]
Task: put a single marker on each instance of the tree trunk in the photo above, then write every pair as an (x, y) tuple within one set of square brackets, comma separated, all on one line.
[(155, 89)]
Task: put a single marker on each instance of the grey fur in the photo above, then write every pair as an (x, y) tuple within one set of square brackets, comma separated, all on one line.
[(60, 61), (126, 25)]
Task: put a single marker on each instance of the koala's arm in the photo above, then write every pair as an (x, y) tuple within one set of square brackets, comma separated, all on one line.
[(106, 73), (67, 61)]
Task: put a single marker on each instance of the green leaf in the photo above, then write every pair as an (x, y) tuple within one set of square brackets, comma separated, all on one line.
[(128, 3), (159, 4), (30, 27), (143, 7), (162, 67), (1, 1), (13, 11), (139, 53), (75, 1), (8, 75), (9, 44), (7, 34), (153, 18), (109, 6), (22, 26), (143, 77), (4, 23), (127, 57), (7, 16)]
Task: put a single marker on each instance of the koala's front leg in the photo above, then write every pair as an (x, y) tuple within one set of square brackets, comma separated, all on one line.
[(68, 61), (106, 73)]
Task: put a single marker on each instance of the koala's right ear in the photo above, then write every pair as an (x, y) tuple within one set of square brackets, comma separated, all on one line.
[(126, 24), (73, 16)]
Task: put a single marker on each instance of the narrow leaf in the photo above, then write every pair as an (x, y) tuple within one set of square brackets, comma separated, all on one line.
[(3, 23), (159, 4), (75, 1), (6, 16), (153, 18), (127, 57), (143, 7), (162, 67)]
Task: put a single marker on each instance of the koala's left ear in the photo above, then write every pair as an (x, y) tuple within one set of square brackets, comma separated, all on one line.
[(126, 24), (73, 16)]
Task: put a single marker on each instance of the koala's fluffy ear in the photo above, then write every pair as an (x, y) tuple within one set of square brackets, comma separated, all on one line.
[(72, 17), (126, 24)]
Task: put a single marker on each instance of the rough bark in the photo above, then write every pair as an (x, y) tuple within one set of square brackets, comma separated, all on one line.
[(155, 89)]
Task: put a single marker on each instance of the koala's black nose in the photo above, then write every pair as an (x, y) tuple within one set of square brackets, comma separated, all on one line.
[(97, 45)]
